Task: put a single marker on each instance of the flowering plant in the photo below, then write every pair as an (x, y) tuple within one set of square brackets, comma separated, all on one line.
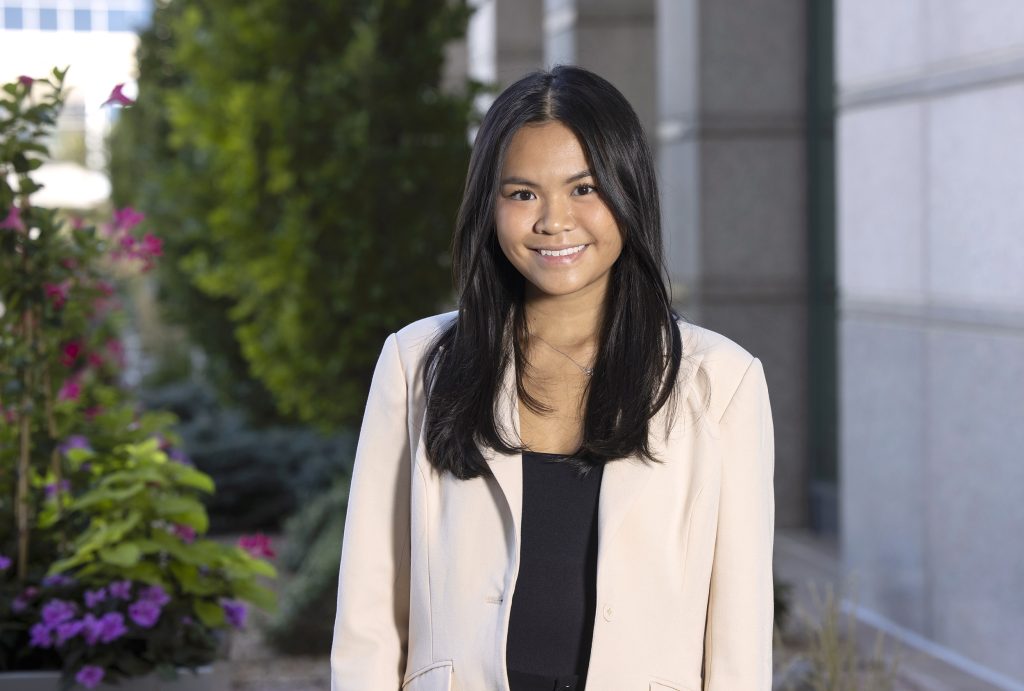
[(104, 570)]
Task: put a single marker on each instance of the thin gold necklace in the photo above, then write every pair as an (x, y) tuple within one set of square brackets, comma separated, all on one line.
[(586, 370)]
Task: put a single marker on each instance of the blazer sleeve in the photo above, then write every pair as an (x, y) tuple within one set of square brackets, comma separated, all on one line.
[(371, 627), (741, 605)]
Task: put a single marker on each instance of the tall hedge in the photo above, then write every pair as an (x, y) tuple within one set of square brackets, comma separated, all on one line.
[(304, 167)]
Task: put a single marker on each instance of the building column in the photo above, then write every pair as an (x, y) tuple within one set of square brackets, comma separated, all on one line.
[(732, 147)]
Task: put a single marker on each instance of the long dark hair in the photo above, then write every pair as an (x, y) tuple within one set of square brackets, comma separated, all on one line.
[(640, 350)]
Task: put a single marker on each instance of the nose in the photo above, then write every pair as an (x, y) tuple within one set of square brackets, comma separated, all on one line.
[(556, 217)]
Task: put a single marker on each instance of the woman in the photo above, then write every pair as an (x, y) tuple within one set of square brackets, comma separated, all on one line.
[(585, 497)]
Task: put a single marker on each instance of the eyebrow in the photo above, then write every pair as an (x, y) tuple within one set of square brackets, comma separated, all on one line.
[(523, 181)]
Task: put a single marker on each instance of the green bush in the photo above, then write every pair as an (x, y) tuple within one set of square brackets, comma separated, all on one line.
[(305, 166)]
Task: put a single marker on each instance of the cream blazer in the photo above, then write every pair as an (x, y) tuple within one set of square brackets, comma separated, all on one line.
[(684, 570)]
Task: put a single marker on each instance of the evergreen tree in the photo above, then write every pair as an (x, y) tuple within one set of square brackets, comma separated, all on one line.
[(303, 165)]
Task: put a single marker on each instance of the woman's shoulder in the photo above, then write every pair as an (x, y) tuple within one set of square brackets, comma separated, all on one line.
[(715, 365), (414, 339)]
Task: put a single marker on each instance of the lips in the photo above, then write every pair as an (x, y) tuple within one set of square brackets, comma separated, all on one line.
[(561, 259)]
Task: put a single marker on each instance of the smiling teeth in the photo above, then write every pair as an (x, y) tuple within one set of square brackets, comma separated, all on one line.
[(562, 253)]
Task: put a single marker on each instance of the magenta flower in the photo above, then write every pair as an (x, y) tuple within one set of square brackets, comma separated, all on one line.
[(12, 221), (68, 629), (5, 562), (58, 292), (94, 597), (234, 611), (40, 636), (89, 676), (55, 611), (127, 218), (69, 390), (258, 545), (186, 532), (70, 352), (117, 97), (144, 613), (121, 589), (26, 80)]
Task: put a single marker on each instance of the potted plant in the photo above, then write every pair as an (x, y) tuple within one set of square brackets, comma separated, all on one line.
[(105, 573)]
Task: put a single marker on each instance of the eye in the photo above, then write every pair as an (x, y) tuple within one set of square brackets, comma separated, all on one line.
[(515, 195), (585, 186)]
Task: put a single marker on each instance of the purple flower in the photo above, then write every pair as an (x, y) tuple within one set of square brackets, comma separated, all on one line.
[(144, 613), (121, 589), (68, 629), (89, 676), (111, 627), (94, 597), (22, 601), (179, 456), (75, 441), (155, 594), (56, 611), (41, 636), (234, 611), (57, 580), (51, 489), (90, 629), (5, 562)]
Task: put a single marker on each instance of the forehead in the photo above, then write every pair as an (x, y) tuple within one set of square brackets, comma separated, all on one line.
[(550, 145)]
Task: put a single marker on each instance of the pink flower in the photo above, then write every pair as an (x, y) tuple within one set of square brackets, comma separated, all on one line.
[(117, 97), (105, 287), (258, 545), (90, 413), (72, 349), (94, 360), (26, 80), (13, 220), (58, 292), (70, 390), (77, 222), (116, 350), (127, 218)]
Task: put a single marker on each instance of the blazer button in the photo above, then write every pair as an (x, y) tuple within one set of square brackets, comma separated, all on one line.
[(609, 613)]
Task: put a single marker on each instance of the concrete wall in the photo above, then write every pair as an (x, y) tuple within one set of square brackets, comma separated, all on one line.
[(931, 277)]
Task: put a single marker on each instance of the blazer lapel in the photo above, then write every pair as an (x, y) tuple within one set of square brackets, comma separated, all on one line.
[(620, 485)]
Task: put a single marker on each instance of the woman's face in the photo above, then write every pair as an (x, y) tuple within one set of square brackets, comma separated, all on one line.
[(548, 200)]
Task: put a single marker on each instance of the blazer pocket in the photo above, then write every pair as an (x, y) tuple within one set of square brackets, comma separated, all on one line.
[(437, 676), (659, 684)]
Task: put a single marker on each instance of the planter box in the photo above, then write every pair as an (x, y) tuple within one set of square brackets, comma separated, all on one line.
[(214, 677)]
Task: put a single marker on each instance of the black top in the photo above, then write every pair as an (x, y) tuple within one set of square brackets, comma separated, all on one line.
[(555, 596)]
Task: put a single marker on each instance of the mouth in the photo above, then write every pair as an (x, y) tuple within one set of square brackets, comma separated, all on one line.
[(568, 255)]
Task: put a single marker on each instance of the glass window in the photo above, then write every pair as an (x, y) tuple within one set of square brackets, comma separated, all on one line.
[(13, 18), (48, 18), (83, 20), (118, 20)]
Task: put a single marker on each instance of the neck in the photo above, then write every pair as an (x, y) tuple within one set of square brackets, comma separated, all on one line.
[(572, 321)]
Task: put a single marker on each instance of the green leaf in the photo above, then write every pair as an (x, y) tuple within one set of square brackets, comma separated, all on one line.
[(253, 592), (210, 613), (122, 555)]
